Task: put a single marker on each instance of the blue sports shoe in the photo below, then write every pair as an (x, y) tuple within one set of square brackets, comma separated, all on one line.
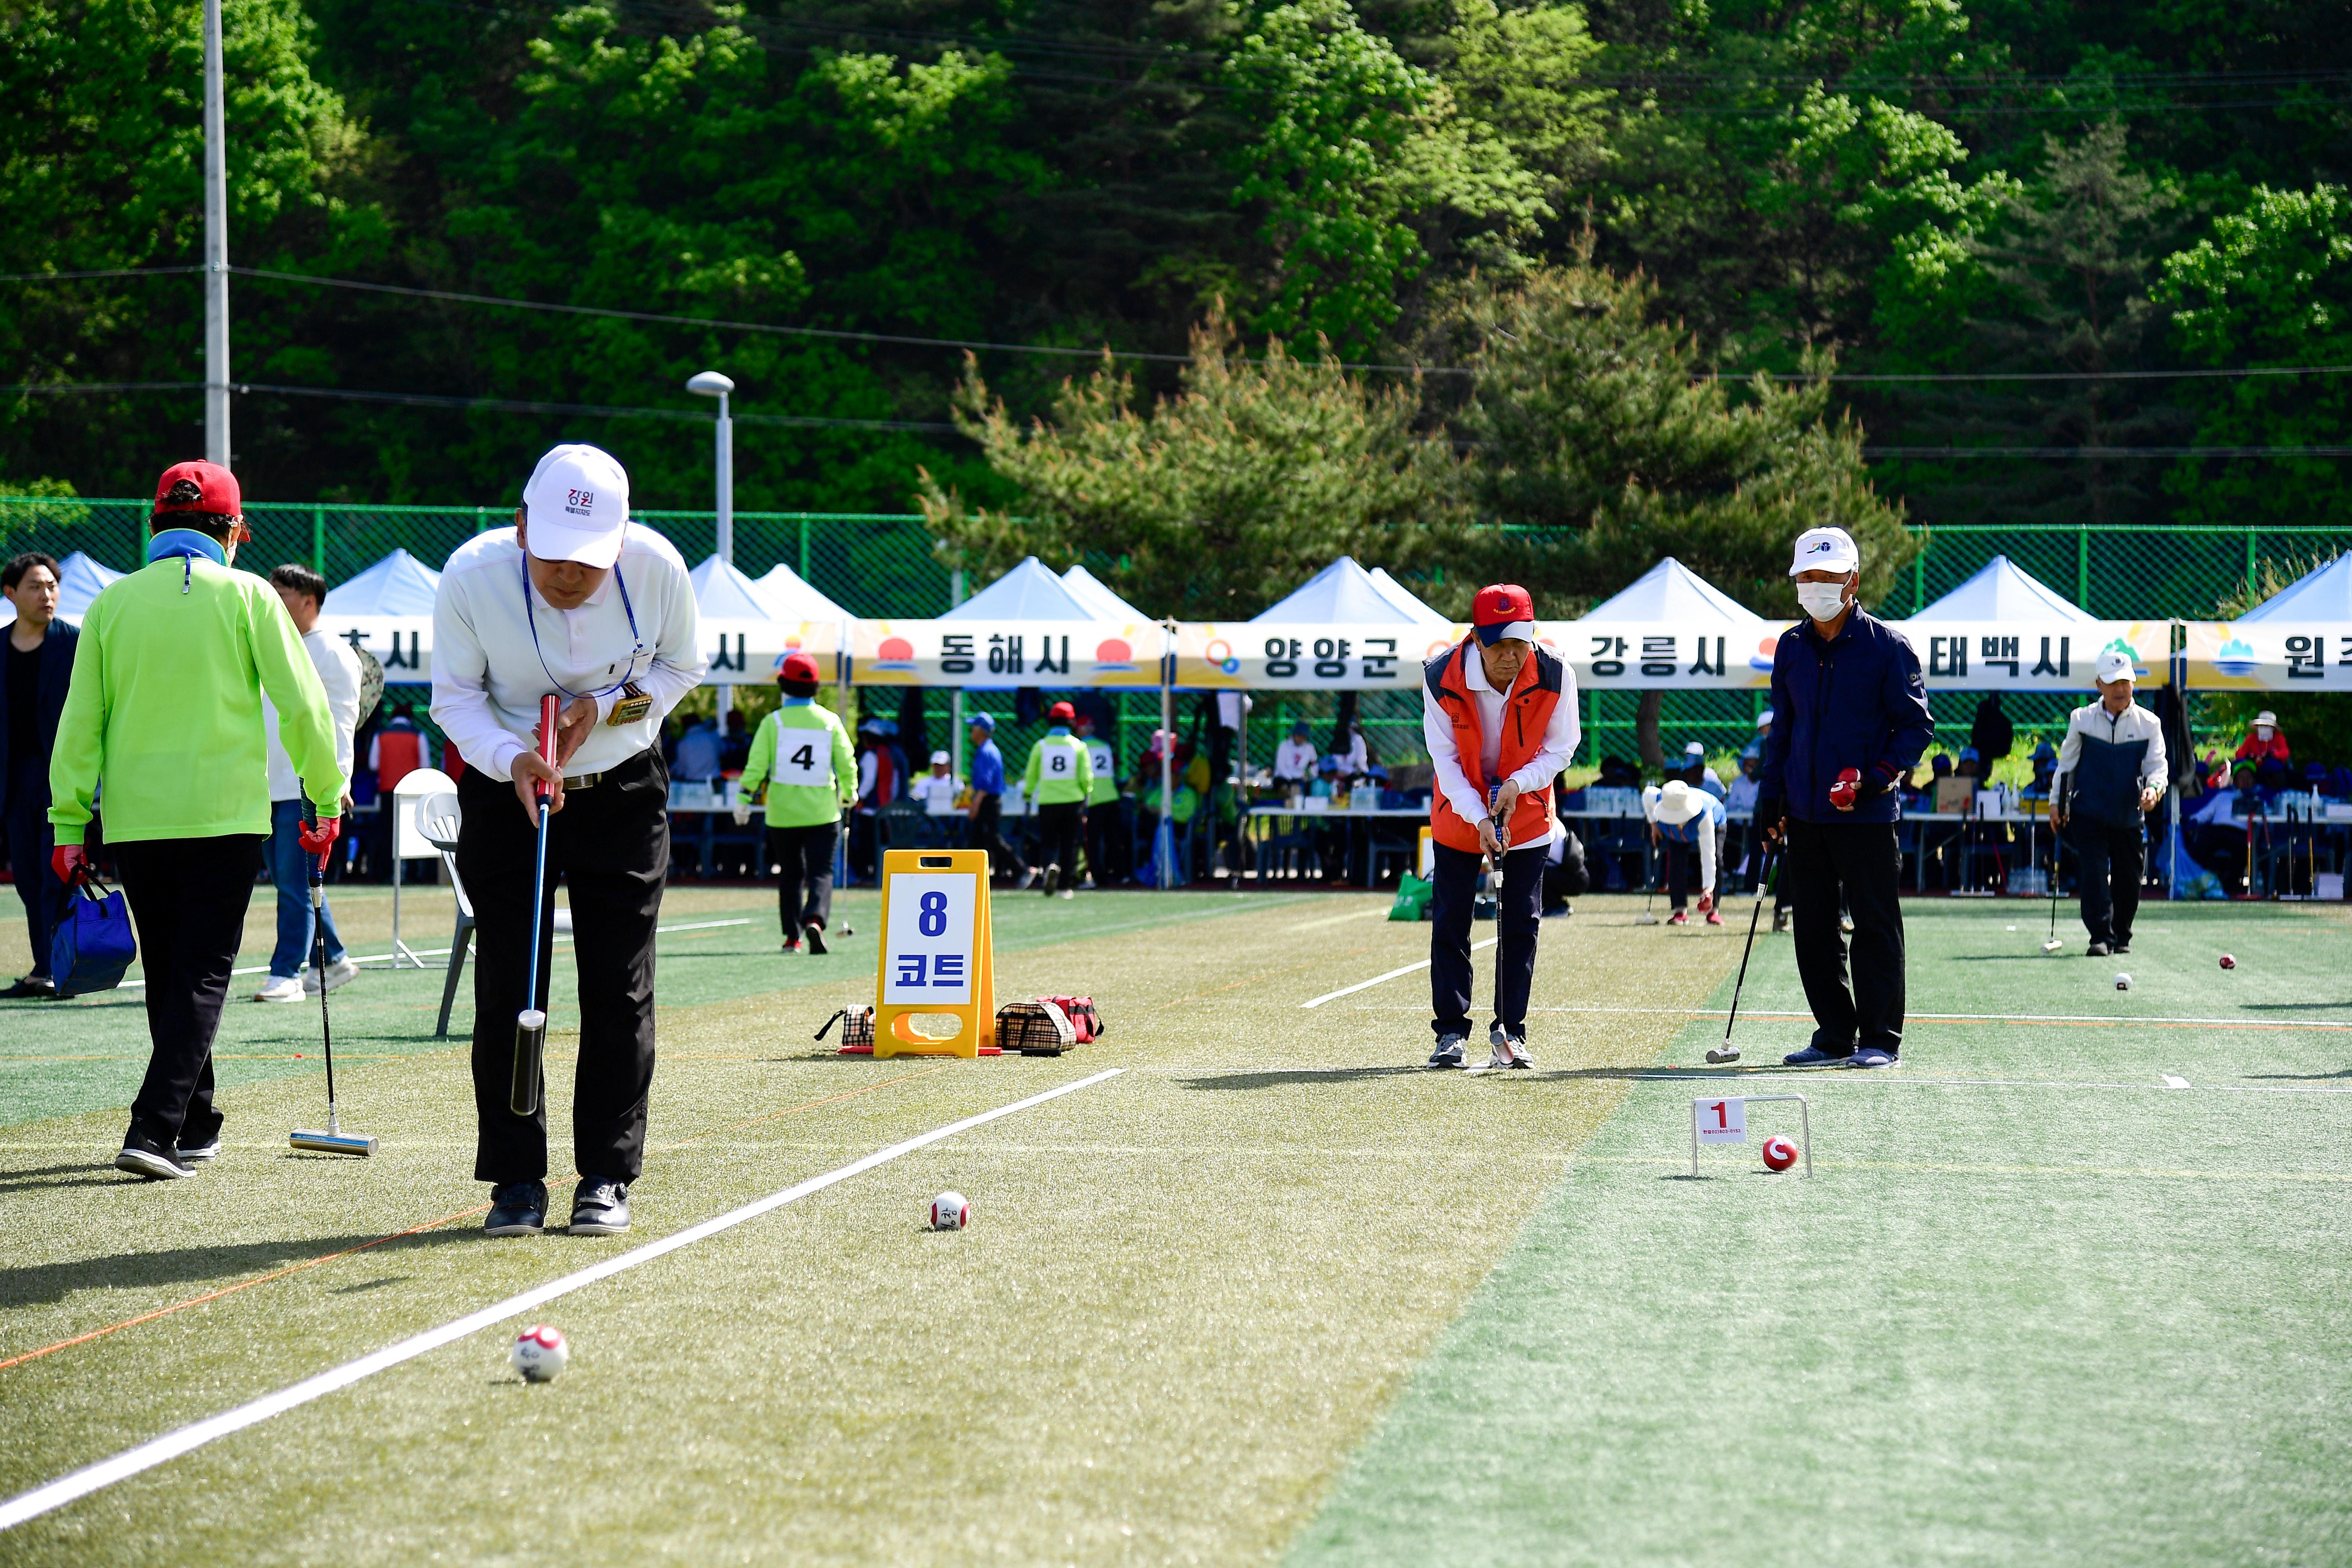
[(1448, 1053), (1814, 1057), (1871, 1057)]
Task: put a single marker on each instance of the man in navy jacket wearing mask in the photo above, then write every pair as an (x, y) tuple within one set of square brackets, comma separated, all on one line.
[(1848, 717)]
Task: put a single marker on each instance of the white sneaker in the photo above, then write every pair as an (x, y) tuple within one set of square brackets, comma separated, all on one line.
[(343, 969), (277, 990), (1068, 894)]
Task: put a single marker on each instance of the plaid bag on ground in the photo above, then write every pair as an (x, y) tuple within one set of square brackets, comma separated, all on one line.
[(1085, 1021), (1038, 1029)]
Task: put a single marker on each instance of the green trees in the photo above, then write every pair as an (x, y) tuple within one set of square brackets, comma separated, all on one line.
[(2271, 286), (1224, 495)]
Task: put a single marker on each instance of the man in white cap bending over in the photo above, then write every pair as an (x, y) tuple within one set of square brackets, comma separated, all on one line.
[(577, 601), (2110, 774)]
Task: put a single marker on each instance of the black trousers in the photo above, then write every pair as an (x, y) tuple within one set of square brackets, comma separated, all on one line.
[(1062, 825), (1455, 882), (1106, 840), (188, 897), (610, 847), (1860, 861), (805, 881), (29, 843), (988, 833), (2111, 858), (1683, 870)]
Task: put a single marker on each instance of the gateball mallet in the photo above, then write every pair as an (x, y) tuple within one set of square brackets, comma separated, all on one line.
[(1649, 893), (335, 1140), (1727, 1052), (530, 1023), (2054, 944)]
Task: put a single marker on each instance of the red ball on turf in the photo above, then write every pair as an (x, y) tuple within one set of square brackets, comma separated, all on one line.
[(1779, 1153), (2229, 962)]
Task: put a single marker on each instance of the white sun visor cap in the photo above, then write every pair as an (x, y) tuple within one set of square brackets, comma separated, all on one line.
[(1825, 549), (2114, 665), (577, 503)]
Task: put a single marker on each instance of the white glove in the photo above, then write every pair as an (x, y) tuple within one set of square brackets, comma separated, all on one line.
[(743, 811)]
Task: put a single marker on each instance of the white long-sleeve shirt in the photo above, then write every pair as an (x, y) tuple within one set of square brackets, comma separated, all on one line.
[(1559, 742), (488, 676), (339, 672), (1294, 759)]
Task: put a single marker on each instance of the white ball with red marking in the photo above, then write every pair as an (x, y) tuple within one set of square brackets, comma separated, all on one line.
[(2122, 982), (950, 1211), (2229, 962), (540, 1354)]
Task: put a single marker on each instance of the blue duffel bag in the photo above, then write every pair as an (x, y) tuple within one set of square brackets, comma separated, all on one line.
[(92, 944)]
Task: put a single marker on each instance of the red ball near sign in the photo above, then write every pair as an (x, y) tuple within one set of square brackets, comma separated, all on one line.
[(1779, 1153)]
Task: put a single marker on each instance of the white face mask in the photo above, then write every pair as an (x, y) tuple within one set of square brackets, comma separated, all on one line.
[(1822, 601)]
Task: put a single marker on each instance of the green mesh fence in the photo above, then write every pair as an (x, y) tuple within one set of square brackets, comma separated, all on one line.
[(876, 563), (2119, 573)]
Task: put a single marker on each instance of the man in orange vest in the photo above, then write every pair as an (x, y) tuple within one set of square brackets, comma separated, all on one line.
[(1499, 716)]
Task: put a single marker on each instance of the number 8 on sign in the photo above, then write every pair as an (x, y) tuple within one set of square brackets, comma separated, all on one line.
[(936, 956)]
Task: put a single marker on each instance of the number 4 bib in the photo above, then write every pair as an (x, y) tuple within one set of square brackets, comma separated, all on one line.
[(803, 757)]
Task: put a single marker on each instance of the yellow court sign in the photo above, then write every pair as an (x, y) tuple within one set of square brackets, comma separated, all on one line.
[(937, 952)]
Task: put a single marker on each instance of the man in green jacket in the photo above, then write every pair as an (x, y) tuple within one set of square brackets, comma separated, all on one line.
[(1060, 777), (802, 755), (166, 711)]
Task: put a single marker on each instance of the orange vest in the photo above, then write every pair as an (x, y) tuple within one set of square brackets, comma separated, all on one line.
[(1527, 714)]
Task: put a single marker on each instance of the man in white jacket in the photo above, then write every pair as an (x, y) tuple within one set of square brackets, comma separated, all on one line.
[(2111, 773), (290, 977)]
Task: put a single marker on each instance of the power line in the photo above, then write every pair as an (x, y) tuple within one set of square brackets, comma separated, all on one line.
[(2108, 451), (487, 404)]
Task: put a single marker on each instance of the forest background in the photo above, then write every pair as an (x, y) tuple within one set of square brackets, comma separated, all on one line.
[(1546, 289)]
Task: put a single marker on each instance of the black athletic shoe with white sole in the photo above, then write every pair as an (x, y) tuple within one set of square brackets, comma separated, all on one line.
[(2097, 950), (600, 1206), (813, 935), (143, 1157), (205, 1148), (2119, 947), (516, 1208), (1448, 1053)]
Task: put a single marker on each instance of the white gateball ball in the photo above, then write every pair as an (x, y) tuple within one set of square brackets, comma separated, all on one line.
[(2122, 982), (540, 1354), (950, 1211)]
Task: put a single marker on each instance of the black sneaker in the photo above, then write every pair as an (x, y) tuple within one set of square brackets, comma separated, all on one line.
[(204, 1147), (30, 987), (516, 1208), (2097, 950), (600, 1206), (143, 1156), (1780, 920), (812, 935), (1053, 876), (2120, 946), (1448, 1053)]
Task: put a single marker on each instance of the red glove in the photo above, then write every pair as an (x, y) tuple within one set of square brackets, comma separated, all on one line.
[(319, 837), (1849, 784), (72, 863)]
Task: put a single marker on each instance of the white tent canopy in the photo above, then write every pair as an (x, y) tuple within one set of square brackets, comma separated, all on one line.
[(722, 593), (2323, 594), (1344, 595), (2003, 592), (1030, 591), (1672, 592), (1405, 599), (1670, 628), (1090, 590), (399, 584), (790, 597), (1029, 627), (2298, 639)]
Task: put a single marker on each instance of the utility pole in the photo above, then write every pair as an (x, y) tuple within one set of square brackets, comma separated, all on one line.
[(216, 447), (710, 384)]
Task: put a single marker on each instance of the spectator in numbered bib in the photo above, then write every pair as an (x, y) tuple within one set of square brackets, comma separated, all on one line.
[(1103, 825), (1059, 778), (801, 755), (2111, 775), (164, 712), (1498, 714)]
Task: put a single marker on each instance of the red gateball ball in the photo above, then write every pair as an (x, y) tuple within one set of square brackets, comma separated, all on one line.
[(1779, 1153), (2229, 962)]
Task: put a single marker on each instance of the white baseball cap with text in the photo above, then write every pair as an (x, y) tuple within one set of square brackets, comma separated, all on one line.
[(577, 504), (1825, 549)]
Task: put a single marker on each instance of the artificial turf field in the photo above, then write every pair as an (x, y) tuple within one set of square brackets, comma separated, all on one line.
[(1271, 1292)]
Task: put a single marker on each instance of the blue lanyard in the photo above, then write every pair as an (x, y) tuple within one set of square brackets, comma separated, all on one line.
[(636, 638)]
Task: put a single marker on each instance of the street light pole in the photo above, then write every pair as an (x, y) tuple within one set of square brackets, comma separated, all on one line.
[(216, 448), (710, 384)]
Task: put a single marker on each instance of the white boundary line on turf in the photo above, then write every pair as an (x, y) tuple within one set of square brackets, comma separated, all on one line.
[(443, 953), (1391, 974), (1933, 1018), (171, 1446)]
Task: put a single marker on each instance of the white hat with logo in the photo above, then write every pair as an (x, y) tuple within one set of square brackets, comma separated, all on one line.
[(1825, 549), (577, 504), (2114, 665)]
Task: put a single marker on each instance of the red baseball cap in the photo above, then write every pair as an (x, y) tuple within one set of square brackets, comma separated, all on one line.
[(199, 487), (1503, 610), (798, 667), (1061, 713)]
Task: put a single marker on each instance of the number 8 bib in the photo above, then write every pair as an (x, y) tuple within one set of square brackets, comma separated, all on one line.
[(803, 757)]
